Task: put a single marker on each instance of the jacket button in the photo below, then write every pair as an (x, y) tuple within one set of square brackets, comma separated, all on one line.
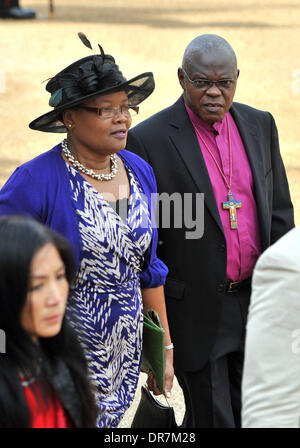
[(221, 287), (221, 248), (160, 242)]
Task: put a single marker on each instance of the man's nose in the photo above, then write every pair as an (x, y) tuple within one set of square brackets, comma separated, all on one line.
[(213, 90)]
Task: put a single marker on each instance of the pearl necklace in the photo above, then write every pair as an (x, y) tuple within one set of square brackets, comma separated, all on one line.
[(83, 169)]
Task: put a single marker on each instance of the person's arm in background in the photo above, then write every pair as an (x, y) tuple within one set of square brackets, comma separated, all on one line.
[(271, 378)]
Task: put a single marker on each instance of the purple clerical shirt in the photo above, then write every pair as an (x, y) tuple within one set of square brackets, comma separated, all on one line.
[(243, 243)]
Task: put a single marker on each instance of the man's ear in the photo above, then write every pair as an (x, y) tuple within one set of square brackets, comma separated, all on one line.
[(180, 75)]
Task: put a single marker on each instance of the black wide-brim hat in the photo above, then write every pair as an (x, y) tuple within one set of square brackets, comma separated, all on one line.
[(85, 79)]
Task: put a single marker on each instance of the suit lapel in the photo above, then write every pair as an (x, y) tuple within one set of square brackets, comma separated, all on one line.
[(184, 139), (252, 143)]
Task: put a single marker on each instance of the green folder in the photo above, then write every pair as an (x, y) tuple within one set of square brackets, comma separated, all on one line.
[(154, 352)]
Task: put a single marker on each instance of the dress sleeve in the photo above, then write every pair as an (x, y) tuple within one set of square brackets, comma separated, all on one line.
[(21, 195), (154, 275)]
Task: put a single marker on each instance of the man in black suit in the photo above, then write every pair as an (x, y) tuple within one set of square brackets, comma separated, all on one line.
[(205, 143)]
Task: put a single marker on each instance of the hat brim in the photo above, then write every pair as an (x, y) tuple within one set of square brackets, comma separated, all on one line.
[(137, 88)]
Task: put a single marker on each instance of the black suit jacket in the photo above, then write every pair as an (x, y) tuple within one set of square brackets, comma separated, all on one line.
[(197, 267)]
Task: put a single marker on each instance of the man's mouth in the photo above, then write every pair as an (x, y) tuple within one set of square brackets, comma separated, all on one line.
[(212, 107)]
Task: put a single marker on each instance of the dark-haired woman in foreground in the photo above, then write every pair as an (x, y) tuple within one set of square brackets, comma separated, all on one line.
[(43, 372)]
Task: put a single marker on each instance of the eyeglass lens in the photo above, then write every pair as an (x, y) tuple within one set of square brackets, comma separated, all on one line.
[(108, 112)]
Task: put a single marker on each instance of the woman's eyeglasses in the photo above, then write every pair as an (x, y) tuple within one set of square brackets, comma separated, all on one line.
[(110, 112)]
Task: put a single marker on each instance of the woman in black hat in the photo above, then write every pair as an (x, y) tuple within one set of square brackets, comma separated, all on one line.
[(100, 197)]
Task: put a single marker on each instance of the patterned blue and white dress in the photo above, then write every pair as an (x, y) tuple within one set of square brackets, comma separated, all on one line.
[(106, 306)]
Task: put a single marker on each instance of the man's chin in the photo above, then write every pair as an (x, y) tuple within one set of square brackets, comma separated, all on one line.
[(211, 116)]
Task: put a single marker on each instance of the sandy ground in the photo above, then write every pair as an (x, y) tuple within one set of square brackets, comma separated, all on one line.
[(150, 36)]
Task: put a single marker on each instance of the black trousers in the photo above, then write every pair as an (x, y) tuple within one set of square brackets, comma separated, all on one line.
[(213, 394)]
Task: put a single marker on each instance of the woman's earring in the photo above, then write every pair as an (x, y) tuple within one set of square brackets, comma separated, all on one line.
[(69, 125)]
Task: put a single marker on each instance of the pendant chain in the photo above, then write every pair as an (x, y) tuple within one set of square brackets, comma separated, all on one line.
[(228, 184)]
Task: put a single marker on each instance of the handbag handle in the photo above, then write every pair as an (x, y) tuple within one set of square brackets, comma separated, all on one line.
[(146, 386)]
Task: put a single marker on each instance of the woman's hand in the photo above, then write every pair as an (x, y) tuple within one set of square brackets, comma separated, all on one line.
[(154, 299), (169, 376)]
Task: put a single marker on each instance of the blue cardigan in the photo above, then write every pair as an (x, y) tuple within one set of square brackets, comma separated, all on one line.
[(40, 188)]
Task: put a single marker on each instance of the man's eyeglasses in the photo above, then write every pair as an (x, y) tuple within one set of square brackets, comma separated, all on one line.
[(205, 84), (110, 112)]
